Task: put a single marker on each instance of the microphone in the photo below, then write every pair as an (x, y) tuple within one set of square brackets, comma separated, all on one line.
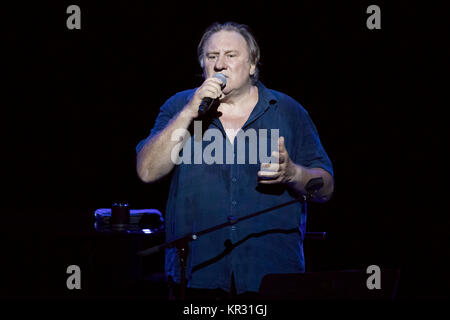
[(207, 102)]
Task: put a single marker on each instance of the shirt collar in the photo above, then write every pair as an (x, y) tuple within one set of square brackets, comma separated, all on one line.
[(266, 99)]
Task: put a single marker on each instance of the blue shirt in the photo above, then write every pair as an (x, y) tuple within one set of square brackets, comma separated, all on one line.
[(203, 195)]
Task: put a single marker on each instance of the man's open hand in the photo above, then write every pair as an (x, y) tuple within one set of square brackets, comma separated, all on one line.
[(282, 170)]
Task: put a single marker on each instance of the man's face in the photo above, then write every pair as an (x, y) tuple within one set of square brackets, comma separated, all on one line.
[(226, 52)]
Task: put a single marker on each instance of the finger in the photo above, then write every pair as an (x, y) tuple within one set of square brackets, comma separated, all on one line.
[(282, 149), (268, 181), (221, 84), (283, 157), (211, 91), (278, 157), (281, 146), (215, 82), (268, 174), (270, 167), (212, 84)]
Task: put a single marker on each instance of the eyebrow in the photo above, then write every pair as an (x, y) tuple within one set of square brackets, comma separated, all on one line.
[(217, 52)]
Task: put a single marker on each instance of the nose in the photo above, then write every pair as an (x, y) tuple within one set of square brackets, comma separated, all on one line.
[(220, 63)]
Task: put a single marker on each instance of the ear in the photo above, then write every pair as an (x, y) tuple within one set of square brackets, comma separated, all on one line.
[(252, 69)]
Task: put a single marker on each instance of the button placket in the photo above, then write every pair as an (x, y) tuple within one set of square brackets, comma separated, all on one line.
[(234, 202)]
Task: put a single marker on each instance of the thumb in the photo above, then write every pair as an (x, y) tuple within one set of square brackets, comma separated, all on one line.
[(281, 146)]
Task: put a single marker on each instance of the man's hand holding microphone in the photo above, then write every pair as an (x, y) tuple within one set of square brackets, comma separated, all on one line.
[(204, 96)]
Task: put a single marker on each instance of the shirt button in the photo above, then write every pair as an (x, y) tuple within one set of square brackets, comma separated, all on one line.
[(234, 202), (232, 220), (234, 179)]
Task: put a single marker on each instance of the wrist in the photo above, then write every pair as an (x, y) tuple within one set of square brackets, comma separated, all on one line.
[(298, 177), (188, 113)]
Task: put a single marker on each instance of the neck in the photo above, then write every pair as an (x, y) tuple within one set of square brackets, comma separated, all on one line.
[(239, 96)]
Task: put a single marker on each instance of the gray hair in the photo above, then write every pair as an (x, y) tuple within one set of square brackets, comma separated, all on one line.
[(244, 31)]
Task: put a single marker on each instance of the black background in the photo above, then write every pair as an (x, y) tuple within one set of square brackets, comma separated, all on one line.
[(78, 101)]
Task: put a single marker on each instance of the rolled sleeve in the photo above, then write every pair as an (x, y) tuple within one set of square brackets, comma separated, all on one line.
[(168, 110), (311, 153)]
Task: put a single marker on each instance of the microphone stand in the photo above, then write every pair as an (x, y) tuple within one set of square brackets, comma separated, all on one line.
[(182, 244)]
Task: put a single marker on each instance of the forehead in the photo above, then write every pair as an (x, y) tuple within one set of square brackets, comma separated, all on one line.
[(226, 41)]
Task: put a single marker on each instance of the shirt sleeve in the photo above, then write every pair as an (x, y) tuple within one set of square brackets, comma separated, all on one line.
[(167, 111), (310, 152)]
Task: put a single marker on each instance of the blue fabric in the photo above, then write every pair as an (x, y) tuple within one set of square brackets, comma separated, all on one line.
[(204, 195)]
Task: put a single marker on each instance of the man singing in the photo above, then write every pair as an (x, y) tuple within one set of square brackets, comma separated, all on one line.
[(204, 194)]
